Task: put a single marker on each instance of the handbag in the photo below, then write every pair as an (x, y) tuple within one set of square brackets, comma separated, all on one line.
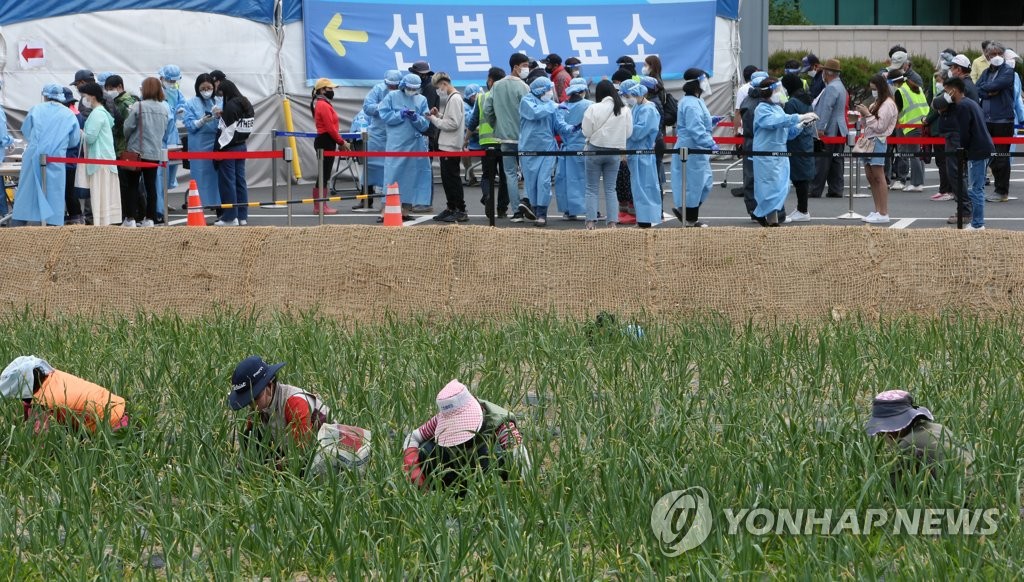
[(81, 187), (128, 155), (864, 145)]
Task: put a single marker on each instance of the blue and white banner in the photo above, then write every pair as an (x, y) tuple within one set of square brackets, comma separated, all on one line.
[(355, 42)]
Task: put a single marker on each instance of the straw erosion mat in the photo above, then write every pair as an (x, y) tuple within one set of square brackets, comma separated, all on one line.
[(770, 417), (362, 274)]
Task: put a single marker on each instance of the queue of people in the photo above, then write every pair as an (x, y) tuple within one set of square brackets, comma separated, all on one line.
[(108, 122)]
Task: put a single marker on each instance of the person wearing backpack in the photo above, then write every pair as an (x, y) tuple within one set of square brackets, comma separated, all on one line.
[(289, 425)]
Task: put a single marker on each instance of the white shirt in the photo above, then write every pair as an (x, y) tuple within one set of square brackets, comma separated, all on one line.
[(741, 94), (605, 129)]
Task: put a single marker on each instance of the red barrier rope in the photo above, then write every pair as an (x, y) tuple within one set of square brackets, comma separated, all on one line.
[(910, 126), (1007, 140), (353, 154), (941, 141), (729, 140), (97, 162), (255, 155), (833, 140)]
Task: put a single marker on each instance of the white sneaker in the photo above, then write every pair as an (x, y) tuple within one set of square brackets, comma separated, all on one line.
[(877, 218), (146, 223), (911, 188), (222, 223), (871, 216), (128, 223), (897, 185), (797, 216), (243, 222), (969, 227)]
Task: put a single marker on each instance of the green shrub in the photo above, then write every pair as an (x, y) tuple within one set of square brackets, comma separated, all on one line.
[(785, 12)]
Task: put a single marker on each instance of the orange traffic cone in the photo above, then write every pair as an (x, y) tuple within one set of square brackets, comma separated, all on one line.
[(195, 207), (393, 207)]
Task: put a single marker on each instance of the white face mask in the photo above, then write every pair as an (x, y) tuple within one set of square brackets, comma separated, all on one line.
[(776, 97), (874, 94), (524, 72), (645, 70), (111, 94), (546, 96), (576, 73), (997, 61), (812, 73), (1012, 63), (206, 94), (631, 101), (411, 92), (86, 103), (169, 84), (938, 87), (947, 97)]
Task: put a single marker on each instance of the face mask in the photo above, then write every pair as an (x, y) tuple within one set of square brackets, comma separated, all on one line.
[(776, 97), (997, 61), (329, 95), (576, 73), (85, 103), (206, 94), (616, 85), (645, 71), (812, 73), (938, 87), (111, 94), (524, 72), (630, 101), (411, 92), (947, 97), (168, 84), (705, 87), (874, 94)]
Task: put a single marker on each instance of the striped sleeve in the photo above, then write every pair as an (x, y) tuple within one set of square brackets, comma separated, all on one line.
[(508, 431)]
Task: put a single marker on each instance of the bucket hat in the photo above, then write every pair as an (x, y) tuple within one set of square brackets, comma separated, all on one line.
[(894, 410), (249, 380), (459, 415)]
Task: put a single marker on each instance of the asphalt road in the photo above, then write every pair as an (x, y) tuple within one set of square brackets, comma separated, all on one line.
[(906, 209)]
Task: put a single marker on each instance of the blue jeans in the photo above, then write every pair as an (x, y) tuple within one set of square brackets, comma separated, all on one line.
[(511, 166), (232, 185), (598, 167), (976, 190)]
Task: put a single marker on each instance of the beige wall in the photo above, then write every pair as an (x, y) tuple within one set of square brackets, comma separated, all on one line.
[(873, 42)]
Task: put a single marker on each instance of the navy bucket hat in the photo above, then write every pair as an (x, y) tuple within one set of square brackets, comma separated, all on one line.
[(249, 380), (894, 410)]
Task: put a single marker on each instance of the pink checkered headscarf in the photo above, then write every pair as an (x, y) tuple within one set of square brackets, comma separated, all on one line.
[(460, 415)]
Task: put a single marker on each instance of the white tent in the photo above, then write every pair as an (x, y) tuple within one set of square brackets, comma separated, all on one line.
[(259, 45)]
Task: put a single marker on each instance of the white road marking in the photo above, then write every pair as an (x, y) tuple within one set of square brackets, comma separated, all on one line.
[(903, 223)]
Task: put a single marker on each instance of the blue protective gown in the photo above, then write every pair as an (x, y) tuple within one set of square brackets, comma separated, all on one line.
[(403, 135), (772, 129), (376, 135), (200, 139), (571, 172), (474, 139), (176, 104), (538, 124), (694, 131), (49, 129), (643, 169), (5, 142)]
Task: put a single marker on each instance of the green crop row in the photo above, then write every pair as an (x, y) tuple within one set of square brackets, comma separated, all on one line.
[(759, 417)]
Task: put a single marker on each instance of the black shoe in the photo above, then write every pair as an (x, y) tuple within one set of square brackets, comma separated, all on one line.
[(952, 219), (527, 210), (834, 195), (738, 192), (679, 213), (460, 216), (818, 195), (445, 214), (517, 217), (503, 213)]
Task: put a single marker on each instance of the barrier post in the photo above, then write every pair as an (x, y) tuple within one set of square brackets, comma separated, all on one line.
[(683, 152), (319, 185), (42, 181), (273, 167), (964, 182), (287, 159), (852, 182), (366, 166), (167, 188)]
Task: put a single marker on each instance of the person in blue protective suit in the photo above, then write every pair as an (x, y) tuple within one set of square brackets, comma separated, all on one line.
[(772, 129), (404, 113), (50, 129), (5, 142), (643, 171), (538, 124), (376, 135), (469, 96), (693, 127), (202, 131), (571, 172), (175, 99)]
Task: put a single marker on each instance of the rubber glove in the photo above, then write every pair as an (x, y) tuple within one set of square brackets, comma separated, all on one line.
[(715, 120), (410, 464), (715, 148), (810, 117)]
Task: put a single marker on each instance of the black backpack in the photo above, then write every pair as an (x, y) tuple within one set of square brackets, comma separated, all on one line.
[(669, 109)]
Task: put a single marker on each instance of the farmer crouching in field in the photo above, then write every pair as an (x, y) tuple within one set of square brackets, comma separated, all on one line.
[(467, 435), (48, 394), (924, 445), (290, 423)]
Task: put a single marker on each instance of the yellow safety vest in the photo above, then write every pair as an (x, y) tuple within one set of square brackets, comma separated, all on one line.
[(915, 107), (484, 129)]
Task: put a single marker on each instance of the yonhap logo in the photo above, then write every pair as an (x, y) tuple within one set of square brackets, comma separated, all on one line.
[(681, 520)]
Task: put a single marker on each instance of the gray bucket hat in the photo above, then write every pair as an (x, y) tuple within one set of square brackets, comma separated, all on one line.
[(894, 410)]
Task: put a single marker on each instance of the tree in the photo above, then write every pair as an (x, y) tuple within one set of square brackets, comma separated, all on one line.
[(786, 12)]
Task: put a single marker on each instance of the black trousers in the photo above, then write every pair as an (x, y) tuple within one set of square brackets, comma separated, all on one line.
[(492, 173), (958, 183), (451, 179), (325, 142), (74, 207), (1001, 166), (134, 204), (802, 188), (830, 170)]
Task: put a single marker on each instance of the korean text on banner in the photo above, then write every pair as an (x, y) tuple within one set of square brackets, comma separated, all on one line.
[(355, 42)]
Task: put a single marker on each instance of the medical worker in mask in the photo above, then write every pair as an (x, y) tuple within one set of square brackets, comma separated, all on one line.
[(404, 112), (202, 131), (643, 172), (538, 123), (377, 135), (693, 128), (175, 99), (571, 172), (772, 129), (6, 141), (50, 129)]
